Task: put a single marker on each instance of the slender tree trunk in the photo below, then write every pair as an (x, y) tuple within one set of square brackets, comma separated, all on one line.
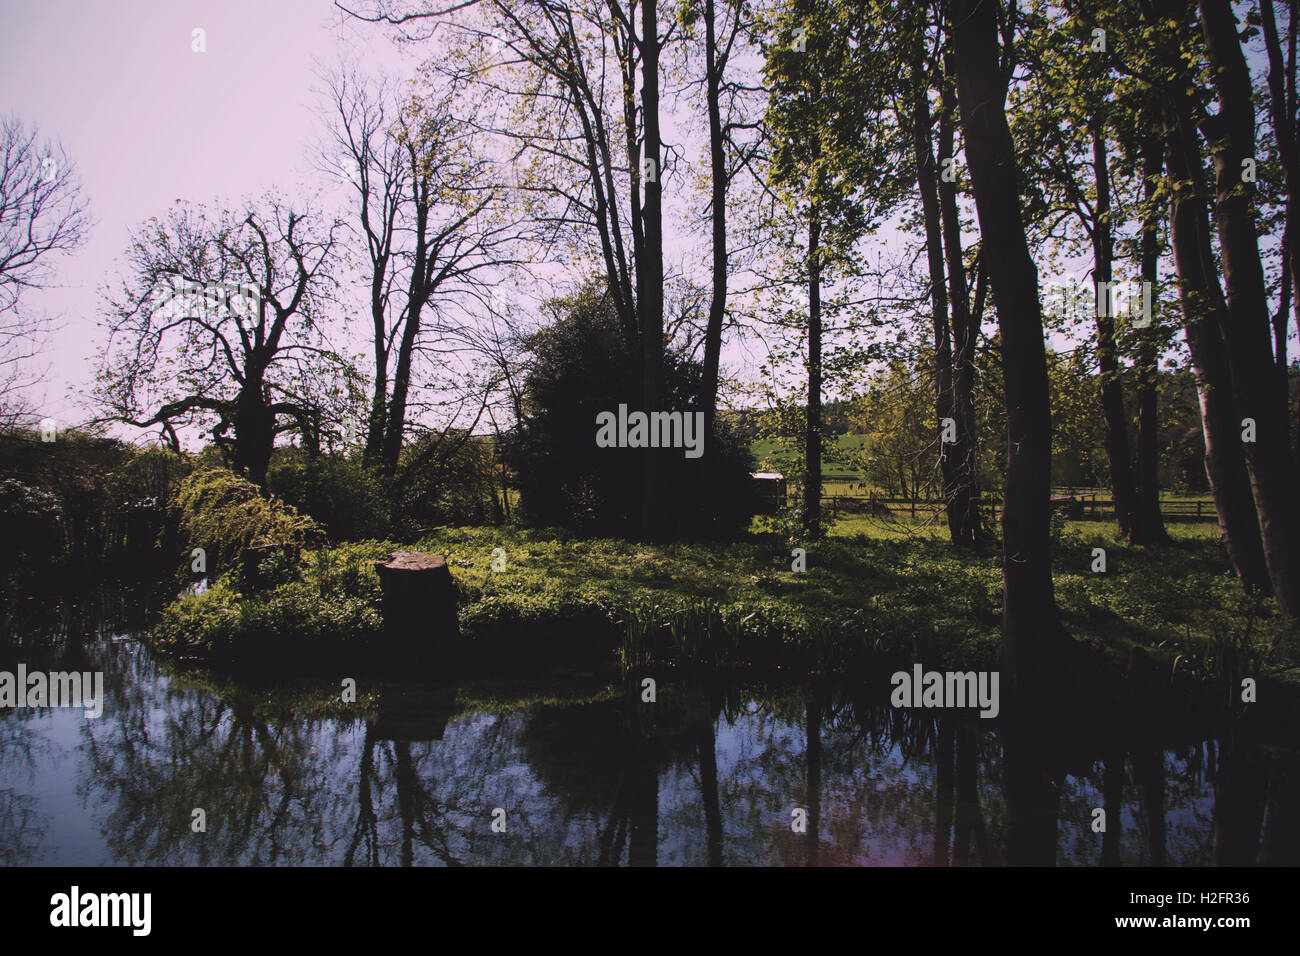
[(1148, 525), (1202, 303), (1247, 333), (379, 397), (718, 195), (418, 293), (1112, 387), (650, 273), (927, 185), (812, 503), (1033, 643), (396, 419), (965, 330), (1282, 107)]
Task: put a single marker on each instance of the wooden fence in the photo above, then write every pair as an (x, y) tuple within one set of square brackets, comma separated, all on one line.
[(1089, 505)]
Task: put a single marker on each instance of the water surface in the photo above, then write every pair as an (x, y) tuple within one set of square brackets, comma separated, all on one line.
[(586, 773)]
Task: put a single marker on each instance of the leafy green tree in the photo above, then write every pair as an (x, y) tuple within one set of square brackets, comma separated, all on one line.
[(827, 82)]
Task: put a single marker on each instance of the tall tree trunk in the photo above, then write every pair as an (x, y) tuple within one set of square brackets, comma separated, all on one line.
[(1282, 108), (718, 196), (418, 292), (1033, 644), (812, 500), (650, 273), (1247, 332), (379, 397), (966, 323), (1112, 387), (1202, 303), (927, 185), (1148, 525)]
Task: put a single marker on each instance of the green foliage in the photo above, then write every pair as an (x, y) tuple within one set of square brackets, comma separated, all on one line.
[(583, 366), (827, 112), (341, 494), (449, 478), (93, 479), (224, 513), (862, 601)]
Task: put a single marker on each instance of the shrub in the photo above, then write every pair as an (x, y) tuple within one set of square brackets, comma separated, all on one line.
[(223, 513), (29, 523), (345, 497), (583, 366), (446, 479)]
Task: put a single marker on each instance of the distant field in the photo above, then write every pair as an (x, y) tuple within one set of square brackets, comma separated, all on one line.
[(848, 444), (929, 524), (841, 480)]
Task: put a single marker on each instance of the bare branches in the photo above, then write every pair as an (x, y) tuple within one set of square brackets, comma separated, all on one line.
[(42, 214), (41, 209), (178, 355)]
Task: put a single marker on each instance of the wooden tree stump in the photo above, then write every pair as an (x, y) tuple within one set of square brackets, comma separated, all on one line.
[(419, 603)]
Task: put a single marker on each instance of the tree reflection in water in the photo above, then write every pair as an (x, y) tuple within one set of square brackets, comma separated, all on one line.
[(706, 775)]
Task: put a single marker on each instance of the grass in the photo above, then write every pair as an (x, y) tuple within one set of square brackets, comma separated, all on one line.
[(879, 591)]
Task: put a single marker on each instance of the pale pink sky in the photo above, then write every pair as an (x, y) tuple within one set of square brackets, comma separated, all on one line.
[(148, 121)]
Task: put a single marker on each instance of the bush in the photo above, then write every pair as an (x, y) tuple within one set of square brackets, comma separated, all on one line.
[(94, 480), (223, 514), (446, 479), (341, 494), (583, 366), (30, 524)]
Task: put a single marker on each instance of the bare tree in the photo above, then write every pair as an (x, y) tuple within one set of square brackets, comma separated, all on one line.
[(42, 214), (435, 228), (221, 323)]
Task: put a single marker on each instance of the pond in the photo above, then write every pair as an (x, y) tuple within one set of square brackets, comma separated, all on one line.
[(576, 769)]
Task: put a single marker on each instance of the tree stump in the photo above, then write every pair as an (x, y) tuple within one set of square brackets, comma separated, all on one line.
[(419, 603)]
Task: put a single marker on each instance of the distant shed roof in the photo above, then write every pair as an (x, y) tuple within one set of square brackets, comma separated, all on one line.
[(767, 475)]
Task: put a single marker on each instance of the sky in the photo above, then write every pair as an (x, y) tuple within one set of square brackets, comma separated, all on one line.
[(148, 121)]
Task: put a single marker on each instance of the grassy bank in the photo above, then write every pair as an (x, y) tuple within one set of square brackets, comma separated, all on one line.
[(891, 592)]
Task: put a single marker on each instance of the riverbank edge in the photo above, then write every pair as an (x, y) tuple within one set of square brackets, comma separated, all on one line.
[(536, 598)]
